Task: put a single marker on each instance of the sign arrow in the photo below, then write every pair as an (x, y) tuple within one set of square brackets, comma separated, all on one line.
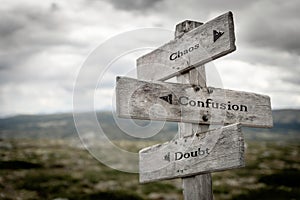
[(215, 150), (167, 98), (167, 157), (217, 34), (191, 50), (135, 98)]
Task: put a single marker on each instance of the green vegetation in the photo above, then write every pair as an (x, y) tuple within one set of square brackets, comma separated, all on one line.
[(49, 165), (50, 169), (272, 172), (16, 164), (159, 187)]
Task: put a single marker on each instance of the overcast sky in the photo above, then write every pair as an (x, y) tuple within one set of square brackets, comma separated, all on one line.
[(43, 45)]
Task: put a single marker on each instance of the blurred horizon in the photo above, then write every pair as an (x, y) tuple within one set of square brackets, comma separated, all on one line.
[(97, 111)]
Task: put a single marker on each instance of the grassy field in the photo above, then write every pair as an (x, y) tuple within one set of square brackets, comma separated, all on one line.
[(53, 169)]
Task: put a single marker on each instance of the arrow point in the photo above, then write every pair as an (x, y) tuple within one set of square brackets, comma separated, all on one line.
[(167, 157), (167, 98), (217, 34)]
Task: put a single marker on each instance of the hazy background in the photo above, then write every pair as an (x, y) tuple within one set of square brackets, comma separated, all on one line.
[(44, 43), (43, 48)]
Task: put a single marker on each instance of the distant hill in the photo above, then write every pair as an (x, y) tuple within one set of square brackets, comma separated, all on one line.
[(63, 126), (286, 121), (286, 126)]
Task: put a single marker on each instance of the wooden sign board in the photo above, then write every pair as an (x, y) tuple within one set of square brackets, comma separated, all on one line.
[(189, 103), (196, 47), (215, 150)]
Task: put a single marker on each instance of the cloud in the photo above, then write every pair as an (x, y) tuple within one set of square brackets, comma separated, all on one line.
[(26, 31), (134, 5), (32, 98), (273, 25), (30, 25), (44, 44)]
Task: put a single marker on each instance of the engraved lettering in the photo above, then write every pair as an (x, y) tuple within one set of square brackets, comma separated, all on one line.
[(180, 53), (210, 103)]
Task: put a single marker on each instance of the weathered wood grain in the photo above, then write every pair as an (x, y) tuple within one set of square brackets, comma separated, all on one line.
[(196, 47), (199, 186), (190, 103), (215, 150)]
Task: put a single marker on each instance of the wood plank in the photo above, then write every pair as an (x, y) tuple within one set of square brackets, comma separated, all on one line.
[(216, 150), (196, 47), (190, 103), (199, 186)]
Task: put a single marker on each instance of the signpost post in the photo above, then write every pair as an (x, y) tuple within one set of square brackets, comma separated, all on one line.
[(200, 186), (197, 151)]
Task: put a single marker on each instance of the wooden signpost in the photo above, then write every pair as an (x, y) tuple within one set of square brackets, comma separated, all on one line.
[(197, 151), (190, 103), (211, 151), (196, 47)]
